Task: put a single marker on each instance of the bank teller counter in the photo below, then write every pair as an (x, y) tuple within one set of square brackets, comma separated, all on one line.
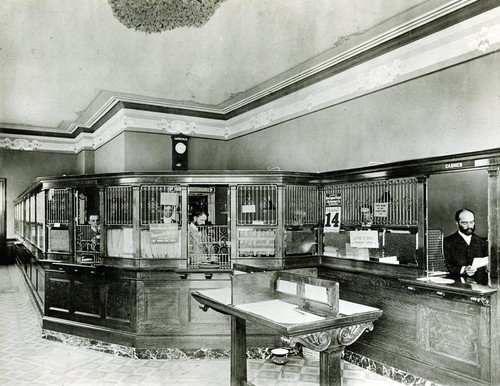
[(128, 280), (141, 220)]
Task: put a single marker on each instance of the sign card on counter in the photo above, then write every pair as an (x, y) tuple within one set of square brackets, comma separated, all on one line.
[(164, 233), (169, 198), (364, 239), (332, 213), (381, 209)]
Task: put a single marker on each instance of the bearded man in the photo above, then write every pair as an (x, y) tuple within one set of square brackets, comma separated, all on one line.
[(464, 245)]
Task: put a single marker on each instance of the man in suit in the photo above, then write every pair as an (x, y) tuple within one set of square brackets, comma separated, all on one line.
[(197, 245), (463, 246), (95, 230)]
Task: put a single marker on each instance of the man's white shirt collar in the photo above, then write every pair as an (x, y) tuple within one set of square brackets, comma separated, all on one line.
[(467, 238)]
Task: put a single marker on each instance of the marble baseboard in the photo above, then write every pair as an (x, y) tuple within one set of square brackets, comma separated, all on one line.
[(211, 353), (151, 353), (385, 370), (92, 344)]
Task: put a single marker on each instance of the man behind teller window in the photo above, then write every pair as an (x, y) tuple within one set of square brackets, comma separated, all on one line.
[(463, 246)]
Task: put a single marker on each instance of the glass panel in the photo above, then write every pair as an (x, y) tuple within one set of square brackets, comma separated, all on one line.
[(33, 209), (389, 203), (118, 205), (41, 236), (154, 247), (373, 220), (119, 242), (40, 208), (447, 193), (58, 201), (302, 205), (59, 240), (256, 242), (301, 241), (160, 204), (392, 246), (26, 229), (257, 204)]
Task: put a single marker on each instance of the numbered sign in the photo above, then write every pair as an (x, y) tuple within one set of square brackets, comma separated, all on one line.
[(332, 213)]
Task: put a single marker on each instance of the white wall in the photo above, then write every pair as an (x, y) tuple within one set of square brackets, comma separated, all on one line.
[(451, 111)]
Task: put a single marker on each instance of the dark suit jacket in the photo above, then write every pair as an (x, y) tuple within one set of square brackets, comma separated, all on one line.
[(457, 253)]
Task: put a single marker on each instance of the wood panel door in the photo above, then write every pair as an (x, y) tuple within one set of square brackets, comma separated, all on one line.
[(3, 221)]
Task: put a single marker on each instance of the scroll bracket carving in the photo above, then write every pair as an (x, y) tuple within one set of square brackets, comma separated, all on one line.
[(330, 340)]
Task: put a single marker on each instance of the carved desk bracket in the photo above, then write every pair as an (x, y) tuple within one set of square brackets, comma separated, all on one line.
[(329, 340)]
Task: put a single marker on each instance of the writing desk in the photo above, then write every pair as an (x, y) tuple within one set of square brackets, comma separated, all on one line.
[(303, 310)]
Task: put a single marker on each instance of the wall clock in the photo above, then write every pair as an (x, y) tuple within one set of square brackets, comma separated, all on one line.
[(180, 152)]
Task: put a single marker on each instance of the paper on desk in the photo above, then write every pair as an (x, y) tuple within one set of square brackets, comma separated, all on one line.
[(479, 262), (221, 295), (279, 312), (350, 308)]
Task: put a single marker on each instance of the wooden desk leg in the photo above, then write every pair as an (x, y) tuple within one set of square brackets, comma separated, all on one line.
[(238, 351), (330, 373)]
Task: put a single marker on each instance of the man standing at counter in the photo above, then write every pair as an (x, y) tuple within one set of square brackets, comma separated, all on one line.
[(197, 248), (463, 246)]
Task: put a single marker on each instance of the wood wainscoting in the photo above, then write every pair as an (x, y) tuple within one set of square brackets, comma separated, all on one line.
[(434, 334)]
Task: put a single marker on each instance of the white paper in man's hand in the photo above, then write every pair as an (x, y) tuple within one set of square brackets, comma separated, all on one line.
[(479, 262)]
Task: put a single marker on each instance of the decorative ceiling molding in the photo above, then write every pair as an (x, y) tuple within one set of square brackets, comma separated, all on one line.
[(114, 113), (346, 55), (19, 144), (33, 143)]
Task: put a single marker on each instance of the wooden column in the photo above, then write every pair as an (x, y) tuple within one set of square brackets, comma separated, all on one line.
[(3, 219), (184, 223), (280, 229), (233, 210), (71, 224), (104, 243), (493, 218), (422, 221), (493, 244)]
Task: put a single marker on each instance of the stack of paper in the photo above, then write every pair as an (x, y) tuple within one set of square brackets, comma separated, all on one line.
[(479, 262), (280, 312)]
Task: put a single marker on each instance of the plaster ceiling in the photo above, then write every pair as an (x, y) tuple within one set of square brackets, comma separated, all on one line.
[(56, 56)]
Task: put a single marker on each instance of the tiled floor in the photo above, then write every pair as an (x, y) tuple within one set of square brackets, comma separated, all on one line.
[(27, 359)]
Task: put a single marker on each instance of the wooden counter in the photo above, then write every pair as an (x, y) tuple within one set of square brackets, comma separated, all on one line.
[(445, 333), (441, 332)]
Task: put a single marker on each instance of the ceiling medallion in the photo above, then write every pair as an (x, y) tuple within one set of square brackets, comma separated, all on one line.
[(160, 15)]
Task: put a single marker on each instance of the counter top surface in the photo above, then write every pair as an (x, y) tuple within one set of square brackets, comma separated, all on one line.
[(453, 283), (461, 285)]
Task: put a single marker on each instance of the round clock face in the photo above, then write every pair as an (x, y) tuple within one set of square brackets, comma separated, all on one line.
[(180, 148)]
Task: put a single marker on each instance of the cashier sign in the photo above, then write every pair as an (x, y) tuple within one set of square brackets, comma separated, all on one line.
[(332, 212)]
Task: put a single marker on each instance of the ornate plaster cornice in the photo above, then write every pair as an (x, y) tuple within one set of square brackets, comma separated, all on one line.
[(20, 144), (33, 143)]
